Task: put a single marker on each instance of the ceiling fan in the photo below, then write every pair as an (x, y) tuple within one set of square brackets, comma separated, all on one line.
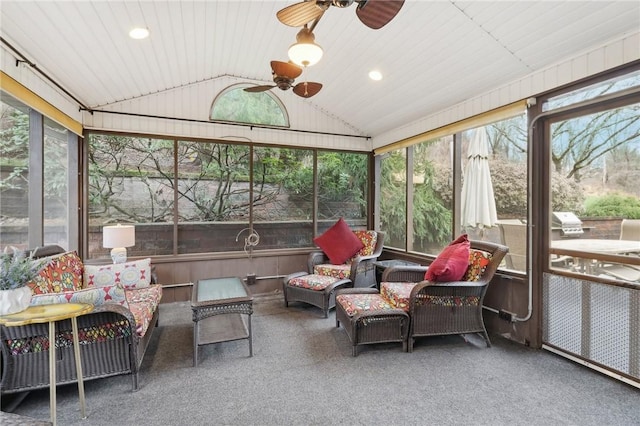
[(284, 74), (373, 13)]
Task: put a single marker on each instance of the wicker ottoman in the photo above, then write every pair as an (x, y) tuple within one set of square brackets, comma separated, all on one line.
[(368, 318), (316, 290)]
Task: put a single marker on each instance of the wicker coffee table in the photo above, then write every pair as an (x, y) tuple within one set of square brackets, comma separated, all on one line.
[(217, 296)]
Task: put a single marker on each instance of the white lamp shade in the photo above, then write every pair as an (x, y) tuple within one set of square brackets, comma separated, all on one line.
[(305, 54), (118, 236)]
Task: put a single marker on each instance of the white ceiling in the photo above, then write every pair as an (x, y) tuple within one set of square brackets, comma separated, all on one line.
[(434, 54)]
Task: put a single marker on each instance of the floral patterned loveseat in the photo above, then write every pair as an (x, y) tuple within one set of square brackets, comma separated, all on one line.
[(113, 337)]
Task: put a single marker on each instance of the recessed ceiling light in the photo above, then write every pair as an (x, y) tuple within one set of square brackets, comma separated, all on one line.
[(375, 75), (139, 33)]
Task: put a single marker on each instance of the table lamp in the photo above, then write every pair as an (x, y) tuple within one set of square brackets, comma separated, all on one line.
[(117, 238)]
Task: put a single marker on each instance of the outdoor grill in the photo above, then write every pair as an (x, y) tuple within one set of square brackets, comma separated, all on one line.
[(568, 224)]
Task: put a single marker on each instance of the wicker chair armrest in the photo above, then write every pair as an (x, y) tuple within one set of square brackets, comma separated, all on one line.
[(361, 290), (294, 275), (454, 284), (338, 285), (316, 258), (120, 310), (425, 287), (154, 275), (42, 328), (404, 273), (371, 314), (117, 308), (379, 245), (44, 251)]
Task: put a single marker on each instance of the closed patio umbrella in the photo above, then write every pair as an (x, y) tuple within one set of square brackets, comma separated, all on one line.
[(478, 201)]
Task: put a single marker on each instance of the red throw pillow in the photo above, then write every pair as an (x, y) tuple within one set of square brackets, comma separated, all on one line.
[(339, 242), (452, 263)]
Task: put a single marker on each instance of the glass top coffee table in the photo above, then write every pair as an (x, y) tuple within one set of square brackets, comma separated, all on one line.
[(217, 296)]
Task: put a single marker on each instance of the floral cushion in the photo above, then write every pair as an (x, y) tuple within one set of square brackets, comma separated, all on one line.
[(312, 281), (478, 262), (357, 303), (397, 293), (369, 240), (63, 272), (93, 295), (136, 274), (40, 283), (398, 296), (337, 271), (143, 302)]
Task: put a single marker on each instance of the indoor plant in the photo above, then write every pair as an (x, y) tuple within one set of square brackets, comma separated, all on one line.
[(16, 270)]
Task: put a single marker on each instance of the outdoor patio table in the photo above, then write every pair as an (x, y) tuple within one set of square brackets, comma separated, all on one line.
[(595, 246), (217, 296)]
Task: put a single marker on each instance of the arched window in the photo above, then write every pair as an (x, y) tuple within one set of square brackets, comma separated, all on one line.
[(236, 105)]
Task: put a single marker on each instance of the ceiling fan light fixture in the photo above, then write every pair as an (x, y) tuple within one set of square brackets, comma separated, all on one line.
[(305, 52)]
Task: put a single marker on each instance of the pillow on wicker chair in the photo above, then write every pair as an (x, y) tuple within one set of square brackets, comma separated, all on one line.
[(339, 242), (452, 263), (133, 274), (59, 273)]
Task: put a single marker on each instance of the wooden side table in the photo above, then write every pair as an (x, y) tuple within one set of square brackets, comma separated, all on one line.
[(50, 314)]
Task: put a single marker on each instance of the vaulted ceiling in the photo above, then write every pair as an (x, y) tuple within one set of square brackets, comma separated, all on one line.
[(434, 54)]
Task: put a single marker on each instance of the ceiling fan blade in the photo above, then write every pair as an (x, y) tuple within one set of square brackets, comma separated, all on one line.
[(377, 13), (299, 14), (286, 69), (307, 89), (256, 89)]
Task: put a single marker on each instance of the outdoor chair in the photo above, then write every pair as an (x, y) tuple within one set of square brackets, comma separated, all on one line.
[(630, 229), (443, 308), (621, 272), (317, 285), (360, 269), (513, 234)]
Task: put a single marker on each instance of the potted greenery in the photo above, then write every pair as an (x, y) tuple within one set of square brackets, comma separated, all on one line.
[(16, 270)]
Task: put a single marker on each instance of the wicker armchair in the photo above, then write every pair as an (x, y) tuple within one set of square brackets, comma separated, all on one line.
[(360, 269), (445, 307), (317, 285)]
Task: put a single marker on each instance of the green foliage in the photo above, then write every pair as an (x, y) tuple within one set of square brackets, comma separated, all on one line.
[(393, 200), (16, 269), (342, 179), (432, 218), (243, 107), (213, 181), (613, 205), (14, 147), (342, 184)]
